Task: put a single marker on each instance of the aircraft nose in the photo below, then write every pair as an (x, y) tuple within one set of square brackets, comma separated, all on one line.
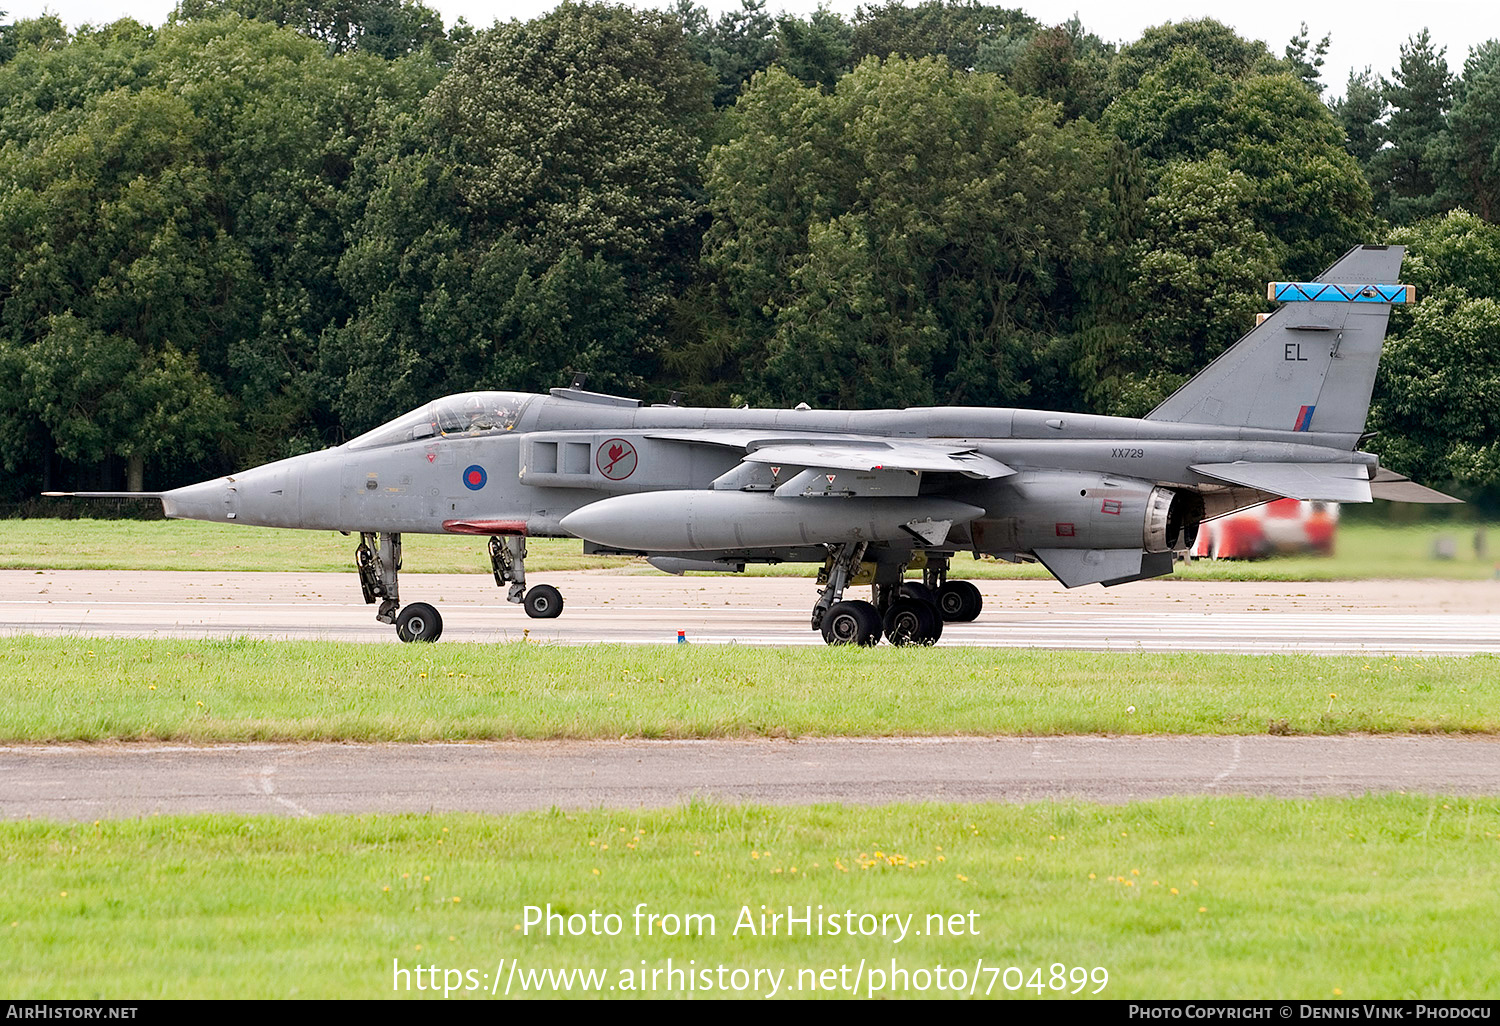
[(265, 496), (206, 500)]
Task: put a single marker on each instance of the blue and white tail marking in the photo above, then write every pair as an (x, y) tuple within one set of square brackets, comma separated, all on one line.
[(1328, 292)]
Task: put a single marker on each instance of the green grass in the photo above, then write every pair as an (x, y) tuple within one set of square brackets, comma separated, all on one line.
[(1364, 551), (55, 689), (1377, 897), (190, 545)]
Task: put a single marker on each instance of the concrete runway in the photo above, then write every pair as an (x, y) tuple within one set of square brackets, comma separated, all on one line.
[(75, 782), (1375, 617)]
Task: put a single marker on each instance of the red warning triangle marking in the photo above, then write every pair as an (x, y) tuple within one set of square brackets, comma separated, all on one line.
[(775, 471), (830, 477)]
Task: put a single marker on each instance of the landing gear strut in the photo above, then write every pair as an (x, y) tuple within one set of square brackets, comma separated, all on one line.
[(844, 623), (508, 559), (378, 560)]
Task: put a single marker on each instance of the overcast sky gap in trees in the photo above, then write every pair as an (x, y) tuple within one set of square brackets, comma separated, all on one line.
[(1363, 33)]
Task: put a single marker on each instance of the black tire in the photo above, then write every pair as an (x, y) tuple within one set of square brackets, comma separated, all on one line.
[(851, 623), (911, 621), (918, 590), (873, 624), (419, 622), (543, 602), (959, 602)]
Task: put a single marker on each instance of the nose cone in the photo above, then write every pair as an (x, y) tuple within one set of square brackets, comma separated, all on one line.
[(207, 500), (266, 496)]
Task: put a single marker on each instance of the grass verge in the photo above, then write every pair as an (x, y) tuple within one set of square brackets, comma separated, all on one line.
[(190, 545), (1365, 551), (65, 689), (1378, 897)]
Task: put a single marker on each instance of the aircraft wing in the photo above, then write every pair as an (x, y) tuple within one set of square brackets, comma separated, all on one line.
[(931, 458), (1332, 482), (848, 452), (727, 437)]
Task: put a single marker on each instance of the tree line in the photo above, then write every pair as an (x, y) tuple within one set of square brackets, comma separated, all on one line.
[(268, 225)]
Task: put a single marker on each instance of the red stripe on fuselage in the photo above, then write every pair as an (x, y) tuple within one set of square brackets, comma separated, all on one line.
[(485, 526)]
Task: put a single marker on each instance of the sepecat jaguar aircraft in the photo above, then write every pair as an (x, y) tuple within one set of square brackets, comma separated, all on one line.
[(871, 495)]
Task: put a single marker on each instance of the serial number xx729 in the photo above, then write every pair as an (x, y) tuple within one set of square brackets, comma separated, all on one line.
[(1127, 454)]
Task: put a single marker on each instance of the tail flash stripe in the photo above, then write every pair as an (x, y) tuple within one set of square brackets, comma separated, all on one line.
[(1323, 292), (1304, 418)]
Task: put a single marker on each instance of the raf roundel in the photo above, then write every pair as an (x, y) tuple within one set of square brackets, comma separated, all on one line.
[(475, 477)]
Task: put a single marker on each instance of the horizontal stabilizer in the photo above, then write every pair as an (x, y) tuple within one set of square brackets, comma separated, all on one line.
[(1076, 567), (1394, 487), (1331, 482)]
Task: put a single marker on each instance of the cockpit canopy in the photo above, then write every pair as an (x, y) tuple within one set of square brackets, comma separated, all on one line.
[(456, 416)]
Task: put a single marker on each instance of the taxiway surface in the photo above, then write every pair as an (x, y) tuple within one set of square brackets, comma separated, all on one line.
[(1374, 617), (78, 782)]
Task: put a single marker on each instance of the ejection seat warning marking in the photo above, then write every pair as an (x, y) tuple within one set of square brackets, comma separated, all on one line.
[(475, 477), (616, 459)]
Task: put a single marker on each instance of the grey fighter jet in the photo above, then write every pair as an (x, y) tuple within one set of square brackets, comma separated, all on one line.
[(870, 495)]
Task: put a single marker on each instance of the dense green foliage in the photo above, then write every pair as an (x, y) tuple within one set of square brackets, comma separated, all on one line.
[(266, 225)]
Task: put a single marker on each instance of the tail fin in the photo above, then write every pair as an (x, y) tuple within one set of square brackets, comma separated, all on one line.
[(1310, 366)]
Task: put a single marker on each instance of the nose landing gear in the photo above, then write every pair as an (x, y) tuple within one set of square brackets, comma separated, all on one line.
[(378, 560), (508, 559)]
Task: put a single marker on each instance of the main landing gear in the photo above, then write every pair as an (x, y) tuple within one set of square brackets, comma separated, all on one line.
[(906, 612), (378, 560)]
